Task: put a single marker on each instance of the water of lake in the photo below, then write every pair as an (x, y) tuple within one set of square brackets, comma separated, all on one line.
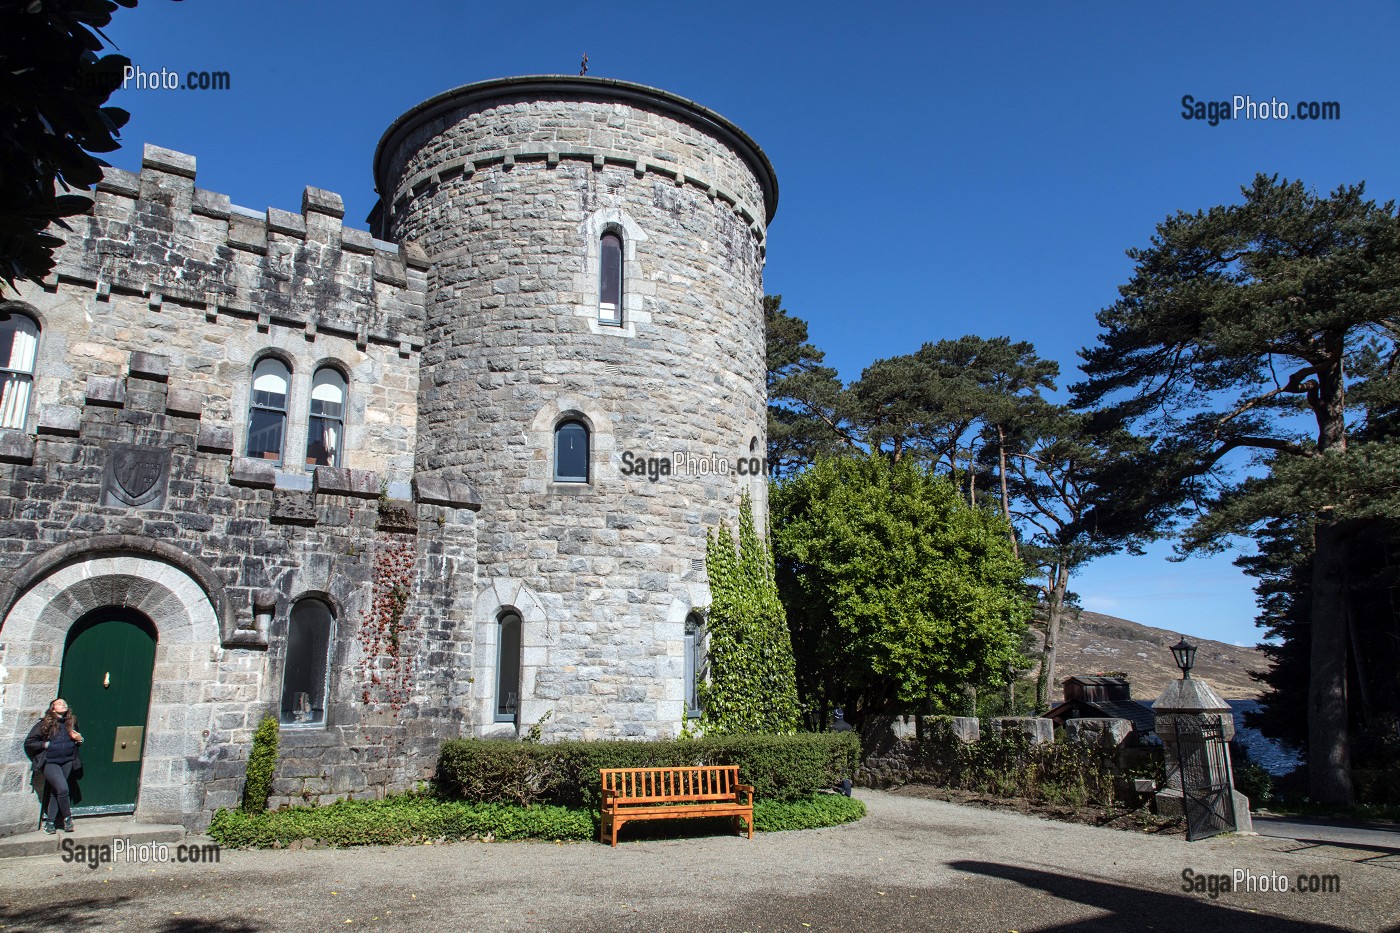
[(1275, 758)]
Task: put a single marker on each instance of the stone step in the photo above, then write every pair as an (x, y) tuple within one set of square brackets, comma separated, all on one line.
[(92, 830)]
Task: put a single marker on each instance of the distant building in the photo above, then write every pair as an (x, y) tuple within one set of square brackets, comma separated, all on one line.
[(1089, 697)]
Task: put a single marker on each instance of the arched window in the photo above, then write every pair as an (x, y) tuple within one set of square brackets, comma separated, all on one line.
[(694, 662), (326, 433), (308, 657), (508, 667), (571, 452), (610, 278), (19, 338), (267, 414)]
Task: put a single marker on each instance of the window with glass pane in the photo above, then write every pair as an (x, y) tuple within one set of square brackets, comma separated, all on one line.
[(694, 662), (326, 430), (610, 279), (308, 656), (19, 339), (508, 668), (571, 453), (267, 415)]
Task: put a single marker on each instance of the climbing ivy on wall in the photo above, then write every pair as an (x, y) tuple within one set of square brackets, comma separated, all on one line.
[(753, 679), (385, 664)]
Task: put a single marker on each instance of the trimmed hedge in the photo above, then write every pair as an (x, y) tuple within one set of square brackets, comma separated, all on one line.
[(413, 818), (262, 763), (781, 768)]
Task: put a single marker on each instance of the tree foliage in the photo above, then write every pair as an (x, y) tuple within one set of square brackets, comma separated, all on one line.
[(1253, 343), (899, 594), (53, 87), (752, 686)]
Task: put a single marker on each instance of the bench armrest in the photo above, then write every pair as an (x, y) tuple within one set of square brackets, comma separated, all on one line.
[(609, 793), (744, 789)]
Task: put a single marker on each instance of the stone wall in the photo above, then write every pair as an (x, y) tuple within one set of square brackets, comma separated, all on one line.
[(161, 302)]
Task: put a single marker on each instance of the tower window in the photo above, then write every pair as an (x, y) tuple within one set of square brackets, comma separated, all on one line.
[(508, 668), (610, 279), (694, 662), (267, 415), (571, 452), (326, 432), (19, 338), (308, 656)]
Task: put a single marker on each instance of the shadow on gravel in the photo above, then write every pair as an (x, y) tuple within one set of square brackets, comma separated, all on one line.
[(95, 913), (1127, 906), (85, 913)]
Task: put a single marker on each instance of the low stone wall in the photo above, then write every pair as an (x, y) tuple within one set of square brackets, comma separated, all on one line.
[(1095, 759)]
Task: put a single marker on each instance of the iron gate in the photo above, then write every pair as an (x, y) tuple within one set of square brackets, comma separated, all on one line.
[(1203, 761)]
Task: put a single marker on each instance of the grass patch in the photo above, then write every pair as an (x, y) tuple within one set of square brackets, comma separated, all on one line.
[(413, 818)]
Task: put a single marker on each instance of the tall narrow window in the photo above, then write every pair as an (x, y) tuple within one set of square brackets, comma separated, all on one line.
[(326, 432), (610, 279), (267, 415), (19, 338), (571, 452), (508, 668), (308, 656), (694, 662)]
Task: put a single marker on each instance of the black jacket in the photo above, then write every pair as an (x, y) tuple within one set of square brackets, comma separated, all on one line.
[(36, 747)]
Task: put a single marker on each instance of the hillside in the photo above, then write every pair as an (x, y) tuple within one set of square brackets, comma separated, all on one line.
[(1095, 643)]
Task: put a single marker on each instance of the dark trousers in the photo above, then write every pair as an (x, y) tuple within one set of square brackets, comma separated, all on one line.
[(59, 810)]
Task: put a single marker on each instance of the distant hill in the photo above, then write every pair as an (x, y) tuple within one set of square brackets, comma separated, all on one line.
[(1095, 643)]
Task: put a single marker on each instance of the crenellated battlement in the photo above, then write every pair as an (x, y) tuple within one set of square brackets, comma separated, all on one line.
[(156, 235)]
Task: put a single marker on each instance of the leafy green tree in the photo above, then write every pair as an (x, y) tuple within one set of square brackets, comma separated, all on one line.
[(752, 685), (53, 87), (1242, 344), (899, 594)]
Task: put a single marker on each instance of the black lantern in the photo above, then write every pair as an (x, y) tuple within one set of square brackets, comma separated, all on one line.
[(1185, 655)]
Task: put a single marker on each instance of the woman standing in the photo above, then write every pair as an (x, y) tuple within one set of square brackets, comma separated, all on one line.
[(53, 746)]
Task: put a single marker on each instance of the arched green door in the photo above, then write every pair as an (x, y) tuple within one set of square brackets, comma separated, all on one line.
[(107, 670)]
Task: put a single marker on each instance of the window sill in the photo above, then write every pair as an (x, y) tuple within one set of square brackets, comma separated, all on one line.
[(571, 489)]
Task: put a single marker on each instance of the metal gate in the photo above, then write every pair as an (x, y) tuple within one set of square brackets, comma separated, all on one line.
[(1203, 761)]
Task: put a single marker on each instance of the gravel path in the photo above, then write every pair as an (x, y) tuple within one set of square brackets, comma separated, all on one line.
[(912, 864)]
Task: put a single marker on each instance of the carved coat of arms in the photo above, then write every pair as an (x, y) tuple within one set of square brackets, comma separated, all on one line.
[(136, 475)]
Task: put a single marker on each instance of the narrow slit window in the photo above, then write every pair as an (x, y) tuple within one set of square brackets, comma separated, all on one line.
[(267, 415), (610, 279), (571, 453), (694, 663), (308, 657), (19, 339), (325, 433), (508, 668)]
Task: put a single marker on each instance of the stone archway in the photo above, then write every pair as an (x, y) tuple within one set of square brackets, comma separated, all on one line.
[(183, 706)]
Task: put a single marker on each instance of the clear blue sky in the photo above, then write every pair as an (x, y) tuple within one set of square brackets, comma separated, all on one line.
[(944, 169)]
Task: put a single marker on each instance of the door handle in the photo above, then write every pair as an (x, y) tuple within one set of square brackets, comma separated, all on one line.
[(106, 680)]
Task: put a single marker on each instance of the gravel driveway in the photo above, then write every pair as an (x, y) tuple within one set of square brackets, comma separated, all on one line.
[(912, 864)]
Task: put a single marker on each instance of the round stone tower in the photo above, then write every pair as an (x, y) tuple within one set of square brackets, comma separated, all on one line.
[(593, 365)]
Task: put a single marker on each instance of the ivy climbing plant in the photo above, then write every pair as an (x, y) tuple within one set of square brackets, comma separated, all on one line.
[(753, 679), (385, 664)]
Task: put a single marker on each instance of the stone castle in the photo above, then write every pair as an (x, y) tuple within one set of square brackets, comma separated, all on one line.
[(378, 484)]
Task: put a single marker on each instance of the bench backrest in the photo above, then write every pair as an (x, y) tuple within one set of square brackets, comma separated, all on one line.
[(669, 785)]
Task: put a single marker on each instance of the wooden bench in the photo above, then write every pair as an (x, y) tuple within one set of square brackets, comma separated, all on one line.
[(631, 794)]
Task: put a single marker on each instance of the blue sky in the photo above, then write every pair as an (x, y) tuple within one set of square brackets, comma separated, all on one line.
[(944, 169)]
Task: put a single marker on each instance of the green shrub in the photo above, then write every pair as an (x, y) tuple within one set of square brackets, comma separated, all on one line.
[(262, 762), (407, 818), (813, 813), (780, 767), (414, 818)]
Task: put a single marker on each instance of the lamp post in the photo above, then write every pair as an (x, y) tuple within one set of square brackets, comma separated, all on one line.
[(1185, 655)]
